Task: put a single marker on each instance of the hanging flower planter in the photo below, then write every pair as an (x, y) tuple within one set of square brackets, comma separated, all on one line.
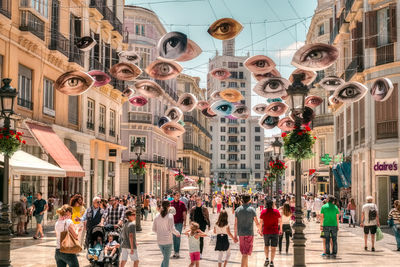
[(199, 181), (212, 183), (10, 141), (138, 167), (179, 177), (298, 144), (268, 179), (220, 184), (277, 167)]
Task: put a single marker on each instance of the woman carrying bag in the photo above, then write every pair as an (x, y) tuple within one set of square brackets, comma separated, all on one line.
[(67, 245), (394, 222)]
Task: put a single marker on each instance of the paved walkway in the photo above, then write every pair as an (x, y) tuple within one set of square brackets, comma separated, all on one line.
[(27, 252)]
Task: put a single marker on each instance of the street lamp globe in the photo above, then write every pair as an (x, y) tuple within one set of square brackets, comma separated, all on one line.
[(297, 93), (277, 145), (180, 163), (7, 96), (138, 147)]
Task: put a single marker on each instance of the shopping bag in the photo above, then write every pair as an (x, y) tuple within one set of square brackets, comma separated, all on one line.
[(379, 234), (213, 240), (68, 244)]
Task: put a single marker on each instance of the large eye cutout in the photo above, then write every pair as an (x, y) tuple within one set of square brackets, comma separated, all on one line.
[(313, 101), (100, 77), (128, 92), (334, 102), (231, 95), (268, 122), (208, 113), (74, 83), (172, 45), (274, 73), (259, 64), (173, 129), (350, 92), (315, 57), (276, 109), (125, 71), (129, 56), (225, 29), (163, 70), (241, 112), (286, 124), (309, 76), (330, 83), (174, 113), (162, 121), (192, 51), (382, 89), (220, 74), (85, 43), (149, 88), (272, 87), (216, 95), (260, 109), (137, 100), (222, 108), (202, 105), (187, 102)]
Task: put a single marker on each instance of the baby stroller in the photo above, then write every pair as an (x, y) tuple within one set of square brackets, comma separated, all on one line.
[(99, 233)]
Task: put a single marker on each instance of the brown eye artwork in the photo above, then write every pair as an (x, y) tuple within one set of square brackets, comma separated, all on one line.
[(330, 83), (313, 101), (172, 45), (100, 77), (129, 56), (225, 29), (268, 122), (173, 129), (174, 113), (231, 95), (259, 64), (276, 109), (286, 124), (74, 83), (208, 113), (216, 95), (128, 92), (163, 69), (192, 51), (381, 89), (334, 102), (125, 71), (220, 73), (309, 76), (85, 43), (202, 105), (314, 57), (271, 87), (274, 73), (350, 92), (137, 100), (149, 88), (260, 108), (187, 102), (241, 112)]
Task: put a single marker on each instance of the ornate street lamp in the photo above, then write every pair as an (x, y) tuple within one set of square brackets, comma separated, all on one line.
[(200, 172), (297, 93), (138, 148), (180, 166), (7, 96), (277, 145)]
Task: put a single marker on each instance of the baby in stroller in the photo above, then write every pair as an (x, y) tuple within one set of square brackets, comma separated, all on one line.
[(95, 250), (111, 248)]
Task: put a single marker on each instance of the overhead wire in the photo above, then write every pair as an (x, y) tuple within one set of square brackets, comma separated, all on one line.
[(277, 16)]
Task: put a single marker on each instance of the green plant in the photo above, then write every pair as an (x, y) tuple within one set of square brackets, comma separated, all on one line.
[(212, 183), (277, 167), (220, 184), (179, 177), (268, 179), (199, 181), (298, 143), (138, 167), (10, 141)]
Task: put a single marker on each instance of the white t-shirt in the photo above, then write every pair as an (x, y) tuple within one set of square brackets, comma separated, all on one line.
[(309, 204), (61, 226), (317, 205), (221, 230), (366, 208)]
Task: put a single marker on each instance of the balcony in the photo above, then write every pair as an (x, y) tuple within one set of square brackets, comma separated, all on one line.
[(387, 129), (75, 55), (233, 159), (108, 14), (384, 54), (5, 8), (322, 120), (102, 130), (117, 25), (191, 119), (190, 146), (90, 125), (31, 23), (140, 118), (355, 66), (59, 42), (233, 140), (111, 133), (97, 4), (25, 103), (336, 27)]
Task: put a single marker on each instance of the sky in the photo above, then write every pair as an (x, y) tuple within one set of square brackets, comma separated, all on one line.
[(275, 28)]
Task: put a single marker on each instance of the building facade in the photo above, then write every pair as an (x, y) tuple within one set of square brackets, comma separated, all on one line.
[(237, 145)]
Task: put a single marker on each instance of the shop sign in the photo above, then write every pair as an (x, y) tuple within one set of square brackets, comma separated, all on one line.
[(112, 153), (386, 166)]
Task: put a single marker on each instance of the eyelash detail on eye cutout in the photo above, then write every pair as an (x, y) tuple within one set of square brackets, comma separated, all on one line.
[(172, 45), (350, 92), (225, 29), (259, 64), (314, 57), (143, 86), (381, 89), (63, 83), (330, 83)]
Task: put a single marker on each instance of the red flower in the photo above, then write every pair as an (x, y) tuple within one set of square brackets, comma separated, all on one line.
[(11, 132), (7, 137), (284, 134), (315, 137), (308, 128), (300, 133), (19, 133)]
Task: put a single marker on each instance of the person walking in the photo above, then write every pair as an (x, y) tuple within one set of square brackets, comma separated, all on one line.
[(309, 207), (129, 244), (39, 207), (64, 223), (317, 208), (153, 207), (370, 221), (270, 228), (78, 210), (114, 214), (222, 230), (351, 207), (245, 217), (91, 218), (394, 221), (218, 201), (194, 234), (179, 222), (146, 207), (286, 215), (163, 226), (20, 211), (199, 214), (330, 226)]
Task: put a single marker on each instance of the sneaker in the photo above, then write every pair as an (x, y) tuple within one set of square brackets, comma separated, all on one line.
[(366, 248), (324, 255), (271, 264), (333, 256), (266, 263), (174, 256), (177, 255), (372, 249)]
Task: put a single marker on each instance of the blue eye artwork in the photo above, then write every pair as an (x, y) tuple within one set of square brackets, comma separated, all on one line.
[(222, 108)]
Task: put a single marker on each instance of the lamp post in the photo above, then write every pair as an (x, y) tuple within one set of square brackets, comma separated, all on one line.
[(7, 96), (138, 147), (297, 92), (200, 172), (277, 145), (180, 165)]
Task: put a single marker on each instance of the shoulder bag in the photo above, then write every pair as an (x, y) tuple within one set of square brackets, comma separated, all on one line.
[(68, 244)]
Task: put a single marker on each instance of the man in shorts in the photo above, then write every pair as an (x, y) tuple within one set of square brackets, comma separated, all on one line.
[(271, 228), (245, 215), (370, 221), (39, 207), (129, 245)]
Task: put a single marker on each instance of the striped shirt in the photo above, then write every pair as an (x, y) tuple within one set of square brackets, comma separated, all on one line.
[(395, 215)]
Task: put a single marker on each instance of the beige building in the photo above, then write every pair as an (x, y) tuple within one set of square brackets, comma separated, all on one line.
[(194, 145)]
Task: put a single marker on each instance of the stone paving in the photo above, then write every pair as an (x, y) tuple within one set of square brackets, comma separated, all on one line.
[(27, 252)]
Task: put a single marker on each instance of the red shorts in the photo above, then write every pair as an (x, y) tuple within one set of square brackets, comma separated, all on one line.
[(194, 256), (246, 244)]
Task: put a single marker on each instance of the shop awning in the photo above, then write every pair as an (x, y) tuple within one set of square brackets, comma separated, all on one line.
[(23, 163), (57, 149)]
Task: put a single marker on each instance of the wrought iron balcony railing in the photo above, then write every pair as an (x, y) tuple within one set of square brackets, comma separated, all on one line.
[(25, 103), (5, 8), (31, 23)]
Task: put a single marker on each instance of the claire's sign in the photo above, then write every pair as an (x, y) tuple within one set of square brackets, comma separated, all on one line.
[(386, 166)]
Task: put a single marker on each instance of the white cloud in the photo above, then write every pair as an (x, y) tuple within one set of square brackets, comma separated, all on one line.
[(289, 51)]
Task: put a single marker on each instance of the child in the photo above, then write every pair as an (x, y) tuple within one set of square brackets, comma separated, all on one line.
[(222, 231), (111, 246), (194, 235), (129, 245), (94, 252)]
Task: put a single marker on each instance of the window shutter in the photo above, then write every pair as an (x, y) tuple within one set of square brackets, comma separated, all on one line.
[(359, 41), (392, 24), (371, 29), (353, 43)]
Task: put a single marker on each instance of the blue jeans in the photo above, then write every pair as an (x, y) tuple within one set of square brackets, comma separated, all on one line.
[(166, 251), (396, 234), (177, 240), (330, 232), (63, 259)]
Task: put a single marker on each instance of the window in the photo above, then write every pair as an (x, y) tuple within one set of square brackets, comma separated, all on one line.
[(243, 139), (383, 23), (232, 85), (257, 129), (242, 85), (243, 93), (25, 87), (241, 76), (257, 138), (222, 156), (223, 129), (234, 75), (41, 6), (232, 130), (243, 166), (143, 31), (257, 175), (244, 175), (233, 166), (222, 138), (223, 120), (187, 87), (90, 114), (233, 65), (144, 54), (257, 148), (243, 156), (222, 147), (48, 97), (257, 156), (223, 84), (141, 139), (222, 167), (242, 121), (211, 128), (233, 157), (232, 139), (257, 166), (242, 129), (243, 147), (102, 119), (112, 122), (321, 30), (232, 121)]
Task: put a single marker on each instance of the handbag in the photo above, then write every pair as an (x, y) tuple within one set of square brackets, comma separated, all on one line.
[(68, 244), (379, 234), (213, 240)]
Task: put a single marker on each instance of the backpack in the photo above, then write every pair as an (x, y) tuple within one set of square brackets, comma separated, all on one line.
[(372, 214), (18, 209)]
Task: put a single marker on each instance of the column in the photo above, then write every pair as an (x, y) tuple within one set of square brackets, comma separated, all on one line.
[(117, 176)]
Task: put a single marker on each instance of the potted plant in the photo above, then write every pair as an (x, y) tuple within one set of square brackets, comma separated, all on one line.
[(138, 167), (212, 183), (199, 181), (179, 177), (277, 167), (298, 143), (220, 184), (10, 141)]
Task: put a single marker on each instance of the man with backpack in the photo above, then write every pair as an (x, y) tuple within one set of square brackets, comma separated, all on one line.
[(21, 211), (370, 221)]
